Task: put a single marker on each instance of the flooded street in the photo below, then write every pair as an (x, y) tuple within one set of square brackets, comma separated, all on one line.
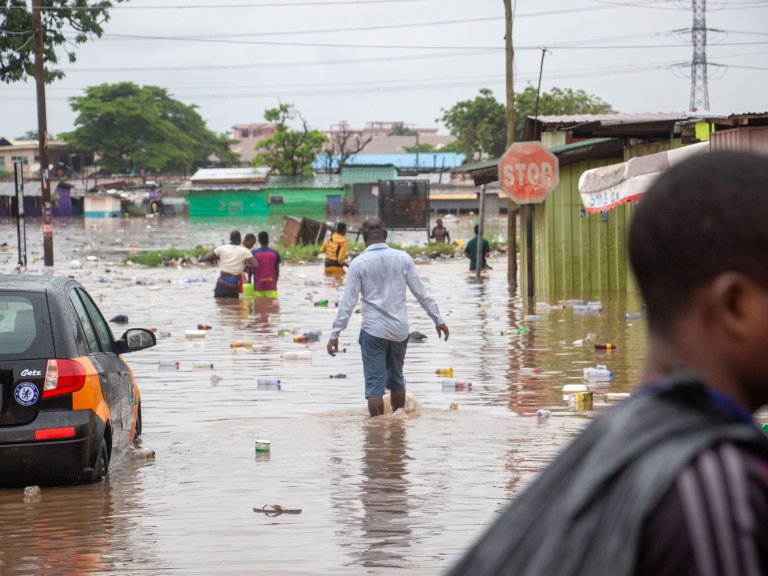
[(377, 496)]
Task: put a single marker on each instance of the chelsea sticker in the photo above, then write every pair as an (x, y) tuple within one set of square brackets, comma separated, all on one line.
[(26, 393)]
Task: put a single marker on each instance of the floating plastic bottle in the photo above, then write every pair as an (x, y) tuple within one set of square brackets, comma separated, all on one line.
[(194, 334), (531, 317), (605, 346), (616, 396), (297, 355), (579, 342), (527, 371), (269, 383), (599, 372), (163, 334), (302, 339), (198, 365), (595, 306), (542, 307), (543, 414), (241, 344), (633, 316), (281, 332), (455, 384), (444, 372), (168, 364), (580, 308), (323, 303)]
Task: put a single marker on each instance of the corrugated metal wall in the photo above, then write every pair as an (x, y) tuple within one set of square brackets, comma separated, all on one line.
[(576, 254), (753, 139)]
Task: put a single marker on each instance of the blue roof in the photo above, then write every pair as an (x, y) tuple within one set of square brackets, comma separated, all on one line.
[(426, 160)]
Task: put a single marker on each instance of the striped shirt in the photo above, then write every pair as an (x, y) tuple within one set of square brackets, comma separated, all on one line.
[(265, 276), (713, 522)]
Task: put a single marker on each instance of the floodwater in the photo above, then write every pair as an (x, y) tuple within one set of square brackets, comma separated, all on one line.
[(377, 496)]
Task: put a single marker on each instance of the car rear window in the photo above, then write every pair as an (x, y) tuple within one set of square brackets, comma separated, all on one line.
[(25, 328)]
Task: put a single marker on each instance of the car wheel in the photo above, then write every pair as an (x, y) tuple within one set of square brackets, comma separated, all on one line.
[(102, 462)]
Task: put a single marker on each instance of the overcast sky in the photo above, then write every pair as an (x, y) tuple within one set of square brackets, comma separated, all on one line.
[(405, 60)]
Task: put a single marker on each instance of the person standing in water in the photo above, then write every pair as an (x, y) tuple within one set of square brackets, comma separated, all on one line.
[(381, 274), (233, 259), (266, 275), (335, 250), (440, 233)]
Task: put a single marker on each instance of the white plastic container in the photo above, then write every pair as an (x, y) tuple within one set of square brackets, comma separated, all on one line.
[(543, 414), (575, 388), (263, 445), (599, 372), (616, 396), (194, 334), (297, 355)]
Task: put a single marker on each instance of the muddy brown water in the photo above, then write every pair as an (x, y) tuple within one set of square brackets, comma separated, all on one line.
[(377, 496)]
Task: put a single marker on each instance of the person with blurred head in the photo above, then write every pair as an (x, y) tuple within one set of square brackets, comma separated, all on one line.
[(233, 259), (674, 480), (440, 233), (266, 275), (335, 250), (381, 275)]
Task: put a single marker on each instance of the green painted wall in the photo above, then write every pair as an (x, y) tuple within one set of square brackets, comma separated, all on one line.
[(297, 202), (576, 255)]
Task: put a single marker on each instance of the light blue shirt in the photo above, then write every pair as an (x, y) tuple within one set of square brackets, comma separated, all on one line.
[(380, 275)]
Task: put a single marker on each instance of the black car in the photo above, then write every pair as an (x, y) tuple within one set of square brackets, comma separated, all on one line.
[(68, 401)]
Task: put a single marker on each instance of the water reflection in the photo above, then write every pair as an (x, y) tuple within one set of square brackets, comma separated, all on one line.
[(385, 527)]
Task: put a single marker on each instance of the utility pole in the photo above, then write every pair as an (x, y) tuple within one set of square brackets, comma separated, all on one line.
[(42, 133), (699, 88), (512, 209)]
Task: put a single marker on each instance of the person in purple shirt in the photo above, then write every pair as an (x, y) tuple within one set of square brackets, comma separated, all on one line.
[(266, 275)]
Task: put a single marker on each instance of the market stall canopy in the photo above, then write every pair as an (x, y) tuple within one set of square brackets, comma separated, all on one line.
[(606, 187)]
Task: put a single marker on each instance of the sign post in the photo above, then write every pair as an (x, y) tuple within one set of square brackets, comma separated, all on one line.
[(528, 172), (21, 226)]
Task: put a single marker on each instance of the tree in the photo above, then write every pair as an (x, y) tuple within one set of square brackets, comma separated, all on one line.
[(32, 135), (420, 148), (60, 17), (479, 126), (401, 130), (342, 145), (556, 101), (289, 152), (143, 129)]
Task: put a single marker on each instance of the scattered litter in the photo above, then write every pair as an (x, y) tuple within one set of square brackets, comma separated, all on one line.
[(444, 372), (168, 364), (263, 445), (215, 380), (202, 365), (542, 307), (616, 396), (531, 317), (194, 334), (323, 303), (574, 388), (453, 406), (269, 384), (32, 495), (595, 306), (590, 337), (579, 342), (455, 384), (580, 401), (120, 319), (417, 336), (542, 414), (239, 344), (163, 334), (633, 316), (297, 355), (605, 346), (204, 327), (75, 264), (599, 372), (276, 510), (338, 376), (528, 371)]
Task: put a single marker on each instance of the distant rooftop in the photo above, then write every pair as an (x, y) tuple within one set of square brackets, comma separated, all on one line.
[(230, 176)]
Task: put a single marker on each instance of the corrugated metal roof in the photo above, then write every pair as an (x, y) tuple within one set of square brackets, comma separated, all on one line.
[(31, 188), (613, 118), (364, 174), (229, 175)]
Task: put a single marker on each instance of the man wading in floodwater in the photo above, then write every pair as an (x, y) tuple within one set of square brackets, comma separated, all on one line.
[(380, 274), (233, 260)]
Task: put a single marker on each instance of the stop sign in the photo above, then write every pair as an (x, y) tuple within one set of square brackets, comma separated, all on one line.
[(528, 172)]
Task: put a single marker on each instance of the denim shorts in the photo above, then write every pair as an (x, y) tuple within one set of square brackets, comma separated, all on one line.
[(382, 364)]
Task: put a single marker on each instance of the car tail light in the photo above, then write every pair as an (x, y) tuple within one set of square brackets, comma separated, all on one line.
[(55, 433), (63, 377)]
